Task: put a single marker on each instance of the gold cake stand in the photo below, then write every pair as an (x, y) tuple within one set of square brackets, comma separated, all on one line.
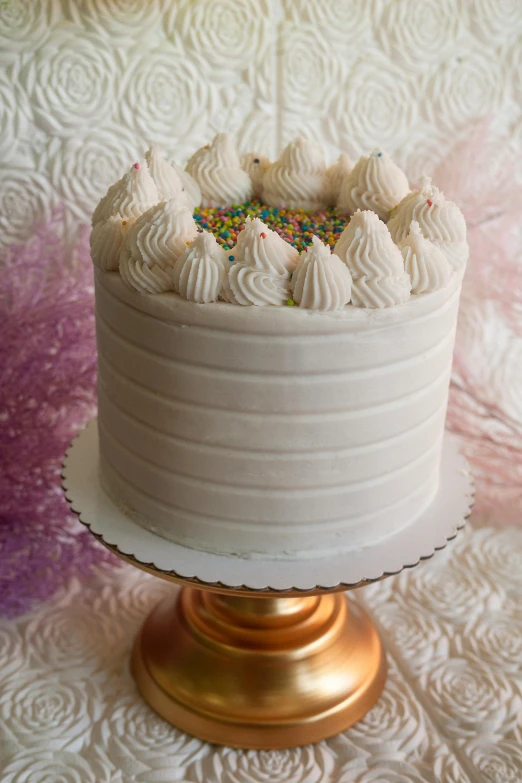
[(259, 667), (256, 669)]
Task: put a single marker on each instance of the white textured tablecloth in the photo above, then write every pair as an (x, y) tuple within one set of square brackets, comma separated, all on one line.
[(451, 711)]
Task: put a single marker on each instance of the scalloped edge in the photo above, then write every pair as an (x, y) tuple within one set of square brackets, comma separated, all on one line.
[(104, 520)]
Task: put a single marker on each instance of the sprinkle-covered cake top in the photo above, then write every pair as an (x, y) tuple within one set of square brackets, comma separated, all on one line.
[(295, 226), (162, 229)]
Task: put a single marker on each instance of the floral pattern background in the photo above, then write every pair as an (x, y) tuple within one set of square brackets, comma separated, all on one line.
[(450, 712), (86, 85)]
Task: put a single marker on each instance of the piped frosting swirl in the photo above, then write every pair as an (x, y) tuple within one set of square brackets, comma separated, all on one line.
[(376, 264), (250, 286), (130, 197), (106, 241), (217, 170), (425, 263), (321, 281), (335, 176), (200, 271), (190, 186), (298, 178), (161, 234), (263, 249), (153, 245), (103, 209), (375, 183), (262, 268), (143, 278), (255, 166), (440, 221), (167, 179)]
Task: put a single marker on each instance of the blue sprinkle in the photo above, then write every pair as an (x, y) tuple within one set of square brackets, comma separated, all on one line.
[(379, 154), (231, 258)]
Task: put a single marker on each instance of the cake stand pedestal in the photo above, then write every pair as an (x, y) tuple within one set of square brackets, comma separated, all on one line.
[(261, 653)]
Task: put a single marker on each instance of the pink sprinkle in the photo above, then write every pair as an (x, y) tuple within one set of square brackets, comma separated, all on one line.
[(429, 202), (137, 166)]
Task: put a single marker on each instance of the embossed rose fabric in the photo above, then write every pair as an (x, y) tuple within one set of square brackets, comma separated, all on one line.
[(450, 711), (86, 85)]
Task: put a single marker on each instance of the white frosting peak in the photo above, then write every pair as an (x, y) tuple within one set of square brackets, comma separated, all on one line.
[(217, 170), (376, 264), (200, 271), (298, 178), (425, 263), (375, 183), (321, 281), (440, 221), (262, 268), (161, 234), (335, 175), (166, 177), (103, 209), (143, 278), (131, 196), (255, 166), (156, 241), (190, 185), (260, 247), (247, 285), (106, 242)]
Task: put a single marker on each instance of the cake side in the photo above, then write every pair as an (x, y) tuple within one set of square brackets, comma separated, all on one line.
[(271, 431), (273, 381)]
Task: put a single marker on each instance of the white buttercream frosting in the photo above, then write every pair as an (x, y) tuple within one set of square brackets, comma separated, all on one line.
[(106, 241), (103, 209), (439, 219), (190, 185), (260, 247), (298, 178), (321, 281), (217, 170), (200, 272), (161, 234), (263, 263), (153, 245), (167, 179), (376, 264), (130, 197), (255, 166), (251, 286), (144, 278), (425, 263), (375, 183), (380, 292), (335, 176)]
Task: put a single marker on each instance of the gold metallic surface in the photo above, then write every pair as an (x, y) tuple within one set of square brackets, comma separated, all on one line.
[(259, 672), (257, 668)]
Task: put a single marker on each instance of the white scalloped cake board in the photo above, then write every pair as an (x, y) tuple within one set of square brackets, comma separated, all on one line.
[(440, 523)]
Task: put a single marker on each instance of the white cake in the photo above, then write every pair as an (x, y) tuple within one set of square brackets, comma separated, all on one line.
[(251, 427)]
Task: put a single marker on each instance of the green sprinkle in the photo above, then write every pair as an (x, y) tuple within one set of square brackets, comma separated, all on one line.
[(290, 302)]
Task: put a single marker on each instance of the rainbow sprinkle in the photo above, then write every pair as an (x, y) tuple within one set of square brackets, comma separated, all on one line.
[(294, 226)]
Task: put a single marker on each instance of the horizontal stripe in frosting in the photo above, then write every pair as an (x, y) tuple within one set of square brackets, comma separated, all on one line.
[(278, 432)]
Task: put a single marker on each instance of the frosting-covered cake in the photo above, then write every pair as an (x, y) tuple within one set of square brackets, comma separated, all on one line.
[(273, 373)]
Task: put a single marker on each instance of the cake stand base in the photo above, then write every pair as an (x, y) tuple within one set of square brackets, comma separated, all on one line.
[(259, 672), (261, 653)]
